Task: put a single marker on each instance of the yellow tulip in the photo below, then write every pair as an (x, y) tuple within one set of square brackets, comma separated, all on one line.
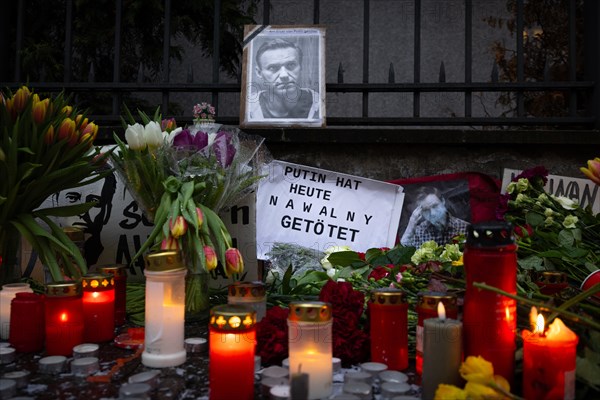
[(49, 135), (21, 98), (66, 131), (67, 110), (593, 170), (39, 110), (234, 263), (89, 133), (477, 369), (479, 391), (210, 257), (449, 392), (178, 227)]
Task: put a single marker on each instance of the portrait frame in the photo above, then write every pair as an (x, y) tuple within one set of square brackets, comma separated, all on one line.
[(304, 97)]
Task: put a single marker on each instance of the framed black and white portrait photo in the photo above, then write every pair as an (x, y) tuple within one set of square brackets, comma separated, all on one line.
[(283, 76)]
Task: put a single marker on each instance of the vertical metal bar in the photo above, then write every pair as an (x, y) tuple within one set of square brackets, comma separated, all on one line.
[(520, 58), (216, 53), (468, 53), (591, 16), (365, 79), (166, 56), (116, 97), (572, 57), (68, 41), (266, 12), (316, 12), (19, 40), (417, 59)]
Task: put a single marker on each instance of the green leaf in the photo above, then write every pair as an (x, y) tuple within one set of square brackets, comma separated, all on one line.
[(534, 219), (66, 211), (565, 238), (531, 263), (285, 282), (345, 258)]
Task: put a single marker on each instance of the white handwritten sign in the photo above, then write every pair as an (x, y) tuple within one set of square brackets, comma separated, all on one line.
[(584, 191), (317, 209)]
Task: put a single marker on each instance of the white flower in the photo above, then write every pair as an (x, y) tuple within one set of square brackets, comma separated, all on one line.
[(521, 198), (170, 136), (153, 134), (333, 249), (134, 135), (510, 188), (548, 212), (331, 272), (570, 221), (325, 263), (566, 203), (549, 221), (451, 253), (522, 185)]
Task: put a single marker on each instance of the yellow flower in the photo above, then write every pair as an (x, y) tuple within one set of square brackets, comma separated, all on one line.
[(477, 369), (593, 170), (479, 391), (449, 392), (210, 257), (502, 383), (234, 263), (20, 98)]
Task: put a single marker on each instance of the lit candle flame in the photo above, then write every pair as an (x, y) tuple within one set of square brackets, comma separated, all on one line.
[(95, 295), (64, 317), (441, 311), (539, 324)]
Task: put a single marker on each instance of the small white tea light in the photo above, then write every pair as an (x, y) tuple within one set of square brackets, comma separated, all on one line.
[(286, 363), (8, 388), (4, 344), (85, 366), (20, 377), (280, 392), (373, 368), (358, 376), (86, 350), (7, 355), (275, 371), (149, 377), (393, 376), (345, 396), (337, 364), (134, 391), (195, 345), (267, 383), (361, 390), (390, 389), (52, 364)]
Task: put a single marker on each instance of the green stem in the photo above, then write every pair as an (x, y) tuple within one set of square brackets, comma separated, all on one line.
[(576, 299), (570, 315)]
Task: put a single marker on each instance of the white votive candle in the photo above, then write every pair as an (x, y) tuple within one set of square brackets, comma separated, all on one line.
[(358, 376), (86, 350), (280, 392), (149, 377), (195, 345), (336, 364), (393, 376), (267, 383), (8, 388), (373, 368), (391, 389), (138, 391), (52, 364), (7, 355), (275, 371), (359, 389), (85, 366)]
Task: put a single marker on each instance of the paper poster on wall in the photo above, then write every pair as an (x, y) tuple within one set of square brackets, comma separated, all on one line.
[(316, 208), (116, 228), (584, 191)]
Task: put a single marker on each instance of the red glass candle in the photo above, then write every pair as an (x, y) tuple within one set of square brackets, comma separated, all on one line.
[(27, 322), (98, 308), (64, 318), (549, 359), (489, 319), (388, 316), (427, 307), (119, 274), (231, 342)]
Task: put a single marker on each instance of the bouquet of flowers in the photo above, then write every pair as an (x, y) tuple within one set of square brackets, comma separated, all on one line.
[(182, 179), (46, 146)]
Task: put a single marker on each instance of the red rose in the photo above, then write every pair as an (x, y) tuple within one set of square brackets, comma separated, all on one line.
[(272, 336), (378, 273), (361, 256)]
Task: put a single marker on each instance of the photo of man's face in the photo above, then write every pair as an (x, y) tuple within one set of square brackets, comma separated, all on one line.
[(280, 68)]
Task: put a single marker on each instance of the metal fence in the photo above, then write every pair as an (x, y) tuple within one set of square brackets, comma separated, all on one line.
[(581, 105)]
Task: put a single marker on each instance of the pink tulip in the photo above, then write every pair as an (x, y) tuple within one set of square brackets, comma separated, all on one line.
[(234, 263), (210, 257), (593, 170), (200, 217), (170, 243), (179, 227)]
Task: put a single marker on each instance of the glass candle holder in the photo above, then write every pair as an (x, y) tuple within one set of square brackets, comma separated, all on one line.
[(98, 308), (310, 346), (119, 274), (7, 293), (231, 343), (165, 310), (427, 305), (388, 321), (489, 319), (27, 322), (252, 294), (64, 317)]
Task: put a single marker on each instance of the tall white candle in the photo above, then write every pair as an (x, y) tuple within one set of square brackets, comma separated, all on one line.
[(442, 352)]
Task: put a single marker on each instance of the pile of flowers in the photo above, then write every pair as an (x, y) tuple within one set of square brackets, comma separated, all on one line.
[(46, 146), (204, 111), (182, 178)]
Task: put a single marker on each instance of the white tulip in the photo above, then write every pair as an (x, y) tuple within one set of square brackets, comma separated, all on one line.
[(566, 203), (153, 134), (134, 135)]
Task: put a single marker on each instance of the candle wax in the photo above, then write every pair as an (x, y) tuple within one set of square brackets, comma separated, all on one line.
[(99, 316), (319, 368)]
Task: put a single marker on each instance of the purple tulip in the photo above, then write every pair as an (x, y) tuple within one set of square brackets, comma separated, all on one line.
[(183, 138), (224, 148), (200, 140)]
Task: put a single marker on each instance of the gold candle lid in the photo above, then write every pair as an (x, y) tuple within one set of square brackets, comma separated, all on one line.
[(97, 282), (552, 277), (232, 317), (164, 261), (117, 270), (310, 311), (388, 296), (74, 233), (247, 289), (431, 299), (63, 289)]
